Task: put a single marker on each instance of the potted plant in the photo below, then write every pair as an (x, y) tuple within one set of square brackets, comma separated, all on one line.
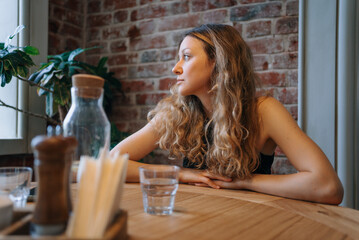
[(53, 79)]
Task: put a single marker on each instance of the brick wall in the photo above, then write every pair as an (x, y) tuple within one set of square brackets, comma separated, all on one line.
[(140, 39)]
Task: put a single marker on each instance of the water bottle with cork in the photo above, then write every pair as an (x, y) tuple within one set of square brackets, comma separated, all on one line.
[(86, 119)]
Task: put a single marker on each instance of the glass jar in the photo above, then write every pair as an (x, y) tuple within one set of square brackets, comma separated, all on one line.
[(86, 119)]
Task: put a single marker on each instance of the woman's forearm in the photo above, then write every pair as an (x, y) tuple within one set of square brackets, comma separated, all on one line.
[(301, 185), (132, 171)]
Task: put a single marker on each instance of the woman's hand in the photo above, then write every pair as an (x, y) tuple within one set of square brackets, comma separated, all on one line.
[(201, 178)]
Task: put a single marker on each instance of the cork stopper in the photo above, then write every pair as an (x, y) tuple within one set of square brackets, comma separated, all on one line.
[(87, 80), (89, 86)]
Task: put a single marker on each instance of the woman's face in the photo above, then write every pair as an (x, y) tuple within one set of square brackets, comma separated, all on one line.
[(193, 69)]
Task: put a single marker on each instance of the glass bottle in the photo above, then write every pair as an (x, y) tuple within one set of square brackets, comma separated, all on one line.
[(86, 119)]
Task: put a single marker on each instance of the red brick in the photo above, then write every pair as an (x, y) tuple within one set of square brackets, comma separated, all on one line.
[(93, 34), (293, 110), (149, 99), (54, 26), (75, 5), (150, 56), (110, 5), (265, 10), (288, 95), (292, 8), (292, 78), (120, 16), (144, 111), (250, 1), (258, 28), (118, 46), (261, 62), (54, 43), (265, 92), (117, 60), (120, 72), (146, 71), (239, 27), (74, 18), (94, 6), (147, 27), (171, 23), (278, 152), (93, 60), (266, 45), (287, 25), (71, 30), (272, 79), (72, 44), (100, 48), (148, 42), (146, 1), (125, 113), (114, 32), (160, 10), (124, 100), (216, 16), (166, 83), (168, 54), (282, 165), (285, 61), (202, 5), (121, 126), (121, 59), (99, 20), (293, 43), (59, 13), (134, 126), (137, 86)]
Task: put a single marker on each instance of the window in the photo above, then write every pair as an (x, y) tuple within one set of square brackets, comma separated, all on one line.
[(17, 129)]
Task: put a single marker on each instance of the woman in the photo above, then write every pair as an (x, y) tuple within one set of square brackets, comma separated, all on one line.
[(224, 133)]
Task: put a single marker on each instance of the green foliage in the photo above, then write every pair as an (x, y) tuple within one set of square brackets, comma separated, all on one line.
[(56, 75), (15, 61)]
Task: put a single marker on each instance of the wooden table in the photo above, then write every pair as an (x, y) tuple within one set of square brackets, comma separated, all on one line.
[(206, 213)]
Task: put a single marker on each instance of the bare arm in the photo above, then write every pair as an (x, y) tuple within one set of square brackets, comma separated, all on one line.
[(315, 180), (138, 145)]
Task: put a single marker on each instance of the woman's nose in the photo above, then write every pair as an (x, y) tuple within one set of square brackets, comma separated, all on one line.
[(177, 69)]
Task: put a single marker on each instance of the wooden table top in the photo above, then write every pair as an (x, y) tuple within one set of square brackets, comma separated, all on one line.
[(206, 213)]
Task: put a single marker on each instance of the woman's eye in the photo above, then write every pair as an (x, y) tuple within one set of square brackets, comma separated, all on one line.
[(186, 57)]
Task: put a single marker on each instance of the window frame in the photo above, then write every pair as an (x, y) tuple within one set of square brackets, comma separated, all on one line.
[(34, 16)]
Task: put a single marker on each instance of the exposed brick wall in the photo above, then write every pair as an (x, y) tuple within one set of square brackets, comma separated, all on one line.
[(140, 39), (66, 25)]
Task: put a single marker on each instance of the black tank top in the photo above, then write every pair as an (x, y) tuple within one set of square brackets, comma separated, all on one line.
[(265, 161), (265, 164)]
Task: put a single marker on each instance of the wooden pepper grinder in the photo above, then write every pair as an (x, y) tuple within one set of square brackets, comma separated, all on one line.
[(53, 156)]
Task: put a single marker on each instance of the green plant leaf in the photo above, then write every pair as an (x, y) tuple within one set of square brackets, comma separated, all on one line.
[(78, 51), (31, 50), (102, 62), (22, 71), (3, 79), (2, 45), (10, 37), (36, 77)]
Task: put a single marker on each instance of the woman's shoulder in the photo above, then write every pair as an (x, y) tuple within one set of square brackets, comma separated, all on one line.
[(267, 104)]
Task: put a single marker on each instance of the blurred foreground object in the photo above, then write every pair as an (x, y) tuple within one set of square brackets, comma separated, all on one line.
[(53, 156), (99, 193), (86, 119)]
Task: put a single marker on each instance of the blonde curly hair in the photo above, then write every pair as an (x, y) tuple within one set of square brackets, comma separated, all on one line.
[(181, 121)]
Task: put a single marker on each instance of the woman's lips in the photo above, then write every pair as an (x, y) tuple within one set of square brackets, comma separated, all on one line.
[(179, 81)]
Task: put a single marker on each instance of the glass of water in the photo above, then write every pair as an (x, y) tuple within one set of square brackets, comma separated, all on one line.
[(15, 183), (159, 185)]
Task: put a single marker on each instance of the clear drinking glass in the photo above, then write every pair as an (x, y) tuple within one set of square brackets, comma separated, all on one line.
[(15, 182), (159, 184)]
